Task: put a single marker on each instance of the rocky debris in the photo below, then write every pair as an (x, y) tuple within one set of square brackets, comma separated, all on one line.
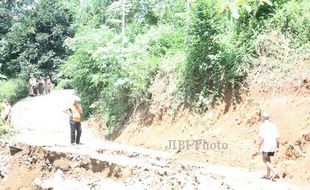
[(4, 163), (63, 168), (2, 175), (60, 182), (14, 150), (176, 180), (299, 148)]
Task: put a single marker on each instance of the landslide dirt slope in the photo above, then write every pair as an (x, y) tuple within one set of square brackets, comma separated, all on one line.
[(285, 96), (41, 157)]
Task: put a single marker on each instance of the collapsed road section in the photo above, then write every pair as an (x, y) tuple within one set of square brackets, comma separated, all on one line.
[(115, 166), (33, 167)]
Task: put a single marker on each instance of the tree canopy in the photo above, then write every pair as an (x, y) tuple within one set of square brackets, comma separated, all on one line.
[(32, 39)]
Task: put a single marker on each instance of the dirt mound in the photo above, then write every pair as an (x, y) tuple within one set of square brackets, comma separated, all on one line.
[(285, 98)]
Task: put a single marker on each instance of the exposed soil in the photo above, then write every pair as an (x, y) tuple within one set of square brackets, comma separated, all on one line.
[(286, 99), (41, 157)]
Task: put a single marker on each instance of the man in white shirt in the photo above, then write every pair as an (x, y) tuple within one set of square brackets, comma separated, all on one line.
[(6, 111), (268, 144)]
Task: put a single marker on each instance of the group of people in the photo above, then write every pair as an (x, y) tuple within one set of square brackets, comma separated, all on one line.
[(39, 86), (6, 111)]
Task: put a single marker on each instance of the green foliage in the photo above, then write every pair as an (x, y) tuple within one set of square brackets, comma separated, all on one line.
[(285, 41), (293, 19), (9, 11), (65, 83), (82, 67), (166, 42), (110, 50), (2, 130), (5, 19), (111, 77), (34, 43), (13, 89), (222, 41), (112, 71), (214, 63), (91, 13)]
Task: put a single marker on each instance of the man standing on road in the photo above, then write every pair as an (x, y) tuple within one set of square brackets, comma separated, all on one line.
[(32, 85), (6, 111), (268, 144), (75, 112)]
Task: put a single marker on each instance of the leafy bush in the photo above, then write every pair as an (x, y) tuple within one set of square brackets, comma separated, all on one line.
[(284, 41), (214, 61), (293, 19), (13, 89), (112, 76), (83, 69), (222, 44), (166, 41), (65, 84), (2, 130)]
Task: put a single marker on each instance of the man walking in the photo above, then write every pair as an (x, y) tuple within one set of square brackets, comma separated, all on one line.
[(268, 144), (75, 112)]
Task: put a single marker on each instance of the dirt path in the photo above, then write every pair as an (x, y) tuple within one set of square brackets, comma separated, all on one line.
[(42, 148)]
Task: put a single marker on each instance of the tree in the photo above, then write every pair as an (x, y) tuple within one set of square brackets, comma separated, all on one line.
[(5, 21), (34, 43)]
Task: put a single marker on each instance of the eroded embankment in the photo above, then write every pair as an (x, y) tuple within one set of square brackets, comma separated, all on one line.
[(115, 166), (32, 167)]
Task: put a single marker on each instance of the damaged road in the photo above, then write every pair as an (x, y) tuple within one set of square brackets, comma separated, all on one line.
[(34, 167), (40, 156)]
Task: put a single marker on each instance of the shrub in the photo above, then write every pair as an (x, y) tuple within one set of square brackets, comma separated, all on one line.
[(65, 84), (293, 19), (13, 89), (214, 62), (111, 75)]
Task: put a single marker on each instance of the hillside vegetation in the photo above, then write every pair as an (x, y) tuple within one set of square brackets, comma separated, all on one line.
[(110, 51), (211, 44)]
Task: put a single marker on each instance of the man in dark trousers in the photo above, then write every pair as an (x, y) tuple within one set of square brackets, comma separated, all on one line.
[(75, 111)]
